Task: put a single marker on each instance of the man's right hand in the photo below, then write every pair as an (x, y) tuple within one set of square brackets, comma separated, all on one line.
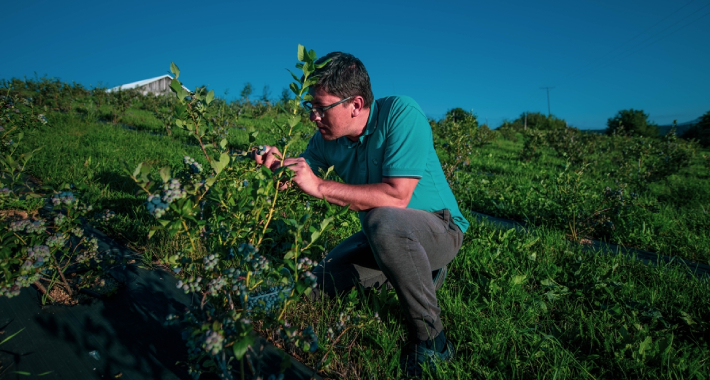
[(269, 157)]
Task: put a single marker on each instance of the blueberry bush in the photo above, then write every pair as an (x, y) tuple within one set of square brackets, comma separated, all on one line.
[(42, 236), (241, 263)]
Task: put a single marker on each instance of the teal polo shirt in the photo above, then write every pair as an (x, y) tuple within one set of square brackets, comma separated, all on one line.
[(397, 142)]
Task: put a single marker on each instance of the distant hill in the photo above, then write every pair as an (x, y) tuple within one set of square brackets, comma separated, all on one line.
[(662, 129), (680, 127)]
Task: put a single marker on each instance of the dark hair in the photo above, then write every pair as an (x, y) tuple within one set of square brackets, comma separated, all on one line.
[(344, 76)]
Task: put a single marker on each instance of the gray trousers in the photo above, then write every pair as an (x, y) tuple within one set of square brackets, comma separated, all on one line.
[(401, 247)]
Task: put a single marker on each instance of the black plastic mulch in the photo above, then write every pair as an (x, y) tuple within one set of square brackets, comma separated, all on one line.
[(126, 330)]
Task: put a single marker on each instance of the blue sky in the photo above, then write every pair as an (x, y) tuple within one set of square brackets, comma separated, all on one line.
[(491, 57)]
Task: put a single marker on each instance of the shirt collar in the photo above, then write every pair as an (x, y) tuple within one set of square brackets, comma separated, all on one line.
[(369, 128)]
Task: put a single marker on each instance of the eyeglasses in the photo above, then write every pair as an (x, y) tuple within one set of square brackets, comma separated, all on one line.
[(320, 111)]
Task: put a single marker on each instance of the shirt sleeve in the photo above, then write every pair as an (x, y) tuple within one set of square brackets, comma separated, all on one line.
[(314, 154), (408, 141)]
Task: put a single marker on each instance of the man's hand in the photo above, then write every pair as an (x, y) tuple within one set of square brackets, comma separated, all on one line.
[(269, 157), (304, 177)]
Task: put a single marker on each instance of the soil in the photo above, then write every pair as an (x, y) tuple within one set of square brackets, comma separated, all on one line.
[(61, 297), (100, 288), (15, 215)]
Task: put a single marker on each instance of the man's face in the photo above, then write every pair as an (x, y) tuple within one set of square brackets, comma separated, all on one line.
[(337, 121)]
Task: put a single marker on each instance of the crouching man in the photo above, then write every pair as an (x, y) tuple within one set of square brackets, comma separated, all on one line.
[(411, 224)]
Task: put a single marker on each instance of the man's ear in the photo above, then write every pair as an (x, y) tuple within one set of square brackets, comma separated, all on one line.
[(358, 104)]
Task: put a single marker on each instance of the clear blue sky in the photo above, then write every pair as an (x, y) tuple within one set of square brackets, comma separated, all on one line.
[(491, 57)]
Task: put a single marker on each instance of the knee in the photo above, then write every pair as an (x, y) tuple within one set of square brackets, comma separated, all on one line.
[(381, 222)]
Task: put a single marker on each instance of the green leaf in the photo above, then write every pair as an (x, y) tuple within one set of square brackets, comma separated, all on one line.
[(294, 88), (687, 318), (624, 334), (11, 336), (240, 347), (645, 345), (293, 121), (325, 223), (219, 165), (152, 232), (165, 174), (517, 280), (301, 53), (322, 64), (174, 69), (664, 344), (312, 55), (344, 210), (314, 236), (210, 97), (176, 86), (138, 170), (23, 373), (297, 79), (223, 144), (530, 243), (300, 288)]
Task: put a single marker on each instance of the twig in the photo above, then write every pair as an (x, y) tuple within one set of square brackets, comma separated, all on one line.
[(315, 370), (43, 290)]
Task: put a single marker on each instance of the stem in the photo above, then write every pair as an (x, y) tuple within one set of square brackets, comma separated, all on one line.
[(43, 290), (187, 231), (202, 303), (331, 348), (229, 297), (283, 311), (18, 236), (276, 195), (197, 134), (61, 274)]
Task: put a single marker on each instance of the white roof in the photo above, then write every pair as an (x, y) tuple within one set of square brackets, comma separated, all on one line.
[(142, 83)]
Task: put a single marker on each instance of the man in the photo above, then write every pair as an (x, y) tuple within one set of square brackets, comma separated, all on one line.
[(411, 225)]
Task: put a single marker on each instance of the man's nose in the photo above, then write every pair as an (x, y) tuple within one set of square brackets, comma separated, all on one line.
[(314, 116)]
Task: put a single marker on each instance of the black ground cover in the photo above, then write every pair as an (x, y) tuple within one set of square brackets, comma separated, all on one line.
[(126, 330)]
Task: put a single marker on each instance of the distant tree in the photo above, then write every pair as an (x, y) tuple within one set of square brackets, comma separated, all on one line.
[(700, 131), (536, 120), (266, 95), (285, 95), (632, 121), (246, 91), (458, 114)]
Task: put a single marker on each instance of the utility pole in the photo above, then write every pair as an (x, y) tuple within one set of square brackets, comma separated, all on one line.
[(548, 99)]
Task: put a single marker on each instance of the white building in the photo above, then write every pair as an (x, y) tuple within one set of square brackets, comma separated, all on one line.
[(157, 86)]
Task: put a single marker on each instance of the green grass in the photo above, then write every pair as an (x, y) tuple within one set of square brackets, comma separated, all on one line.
[(516, 305), (520, 305), (676, 223)]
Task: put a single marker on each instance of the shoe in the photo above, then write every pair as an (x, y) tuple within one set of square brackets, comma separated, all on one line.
[(415, 356), (439, 276)]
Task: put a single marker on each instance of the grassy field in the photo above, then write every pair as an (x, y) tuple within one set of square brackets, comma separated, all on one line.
[(516, 304)]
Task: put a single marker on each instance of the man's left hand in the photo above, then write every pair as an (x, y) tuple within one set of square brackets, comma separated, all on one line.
[(304, 177)]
